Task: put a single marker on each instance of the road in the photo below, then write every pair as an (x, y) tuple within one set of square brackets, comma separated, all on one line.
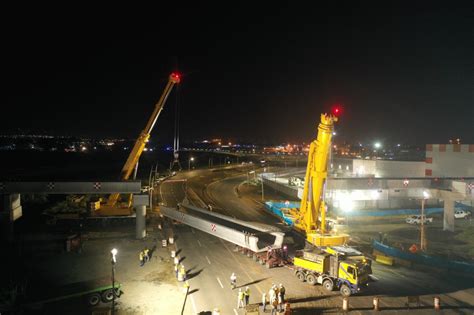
[(211, 261)]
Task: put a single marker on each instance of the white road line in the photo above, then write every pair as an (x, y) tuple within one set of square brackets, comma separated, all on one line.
[(208, 260), (235, 311), (220, 283), (199, 243), (194, 304)]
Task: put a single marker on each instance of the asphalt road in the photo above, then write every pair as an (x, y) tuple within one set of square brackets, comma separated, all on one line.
[(212, 260)]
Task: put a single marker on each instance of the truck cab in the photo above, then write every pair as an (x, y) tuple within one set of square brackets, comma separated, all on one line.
[(338, 267)]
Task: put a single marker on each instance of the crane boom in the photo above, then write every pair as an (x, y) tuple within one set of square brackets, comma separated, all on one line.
[(312, 201), (140, 143)]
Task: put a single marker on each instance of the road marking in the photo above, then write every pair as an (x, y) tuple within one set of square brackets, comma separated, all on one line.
[(242, 267), (208, 260), (194, 304), (199, 243), (220, 283), (235, 311)]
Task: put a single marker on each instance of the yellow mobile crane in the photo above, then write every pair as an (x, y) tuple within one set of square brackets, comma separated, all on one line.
[(328, 262), (111, 208), (312, 201)]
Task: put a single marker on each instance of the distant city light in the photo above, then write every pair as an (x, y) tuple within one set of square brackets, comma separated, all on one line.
[(377, 145)]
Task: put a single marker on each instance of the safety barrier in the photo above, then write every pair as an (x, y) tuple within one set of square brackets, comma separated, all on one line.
[(436, 262), (278, 208)]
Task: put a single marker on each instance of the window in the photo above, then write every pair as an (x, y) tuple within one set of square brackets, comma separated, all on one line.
[(351, 271)]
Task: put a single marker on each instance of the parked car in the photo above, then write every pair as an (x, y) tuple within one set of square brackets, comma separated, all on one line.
[(462, 214), (416, 219)]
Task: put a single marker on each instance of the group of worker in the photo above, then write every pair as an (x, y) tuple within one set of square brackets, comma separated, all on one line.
[(243, 297), (144, 256), (276, 299)]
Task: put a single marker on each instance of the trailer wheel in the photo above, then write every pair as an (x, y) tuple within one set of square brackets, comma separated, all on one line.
[(345, 290), (107, 295), (328, 285), (311, 279), (300, 275), (93, 299)]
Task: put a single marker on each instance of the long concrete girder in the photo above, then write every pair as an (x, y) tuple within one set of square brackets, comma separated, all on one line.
[(97, 187)]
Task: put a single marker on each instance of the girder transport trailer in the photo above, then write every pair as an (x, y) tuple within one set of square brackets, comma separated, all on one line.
[(264, 245)]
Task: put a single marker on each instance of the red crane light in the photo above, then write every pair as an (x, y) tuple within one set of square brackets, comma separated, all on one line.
[(175, 77), (337, 110)]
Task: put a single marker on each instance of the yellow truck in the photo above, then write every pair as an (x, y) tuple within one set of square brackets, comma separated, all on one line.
[(338, 267)]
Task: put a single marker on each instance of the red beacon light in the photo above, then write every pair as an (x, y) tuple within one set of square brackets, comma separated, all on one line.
[(175, 77), (336, 110)]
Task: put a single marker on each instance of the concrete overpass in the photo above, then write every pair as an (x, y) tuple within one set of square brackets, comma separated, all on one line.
[(385, 193)]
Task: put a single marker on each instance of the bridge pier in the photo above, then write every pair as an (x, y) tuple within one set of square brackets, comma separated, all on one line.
[(140, 202), (448, 216), (10, 211)]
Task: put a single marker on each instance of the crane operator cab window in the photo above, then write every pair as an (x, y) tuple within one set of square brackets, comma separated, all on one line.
[(352, 272)]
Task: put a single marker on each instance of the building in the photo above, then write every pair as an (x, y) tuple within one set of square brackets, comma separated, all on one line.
[(449, 160)]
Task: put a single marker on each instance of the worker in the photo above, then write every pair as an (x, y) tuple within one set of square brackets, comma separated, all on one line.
[(247, 295), (240, 299), (282, 292), (176, 269), (280, 301), (274, 304), (140, 256), (233, 280), (264, 301), (182, 270), (271, 294), (176, 260), (146, 258)]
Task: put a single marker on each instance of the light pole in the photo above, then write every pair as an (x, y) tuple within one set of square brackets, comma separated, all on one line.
[(113, 261), (191, 159), (426, 195), (261, 180)]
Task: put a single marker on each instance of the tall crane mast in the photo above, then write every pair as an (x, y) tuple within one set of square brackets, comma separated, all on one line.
[(313, 205), (140, 143)]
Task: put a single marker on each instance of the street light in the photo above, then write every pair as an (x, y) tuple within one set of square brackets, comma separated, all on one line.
[(426, 195), (113, 261), (191, 159)]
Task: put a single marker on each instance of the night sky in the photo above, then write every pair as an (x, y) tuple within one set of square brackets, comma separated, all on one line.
[(404, 71)]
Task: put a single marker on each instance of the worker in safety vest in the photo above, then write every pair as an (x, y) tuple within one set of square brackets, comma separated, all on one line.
[(247, 295), (240, 299), (145, 254), (182, 270), (140, 256)]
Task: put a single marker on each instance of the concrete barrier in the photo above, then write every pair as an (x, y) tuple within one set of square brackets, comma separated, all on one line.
[(386, 260)]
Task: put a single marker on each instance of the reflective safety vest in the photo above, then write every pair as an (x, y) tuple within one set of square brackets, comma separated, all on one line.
[(241, 295)]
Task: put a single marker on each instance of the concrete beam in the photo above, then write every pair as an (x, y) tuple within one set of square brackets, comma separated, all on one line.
[(98, 187)]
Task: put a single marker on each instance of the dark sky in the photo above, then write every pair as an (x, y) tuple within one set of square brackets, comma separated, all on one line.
[(403, 70)]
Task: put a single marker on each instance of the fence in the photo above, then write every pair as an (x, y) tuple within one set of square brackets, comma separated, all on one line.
[(437, 262)]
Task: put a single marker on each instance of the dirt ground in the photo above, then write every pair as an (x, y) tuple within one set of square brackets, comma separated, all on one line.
[(151, 289)]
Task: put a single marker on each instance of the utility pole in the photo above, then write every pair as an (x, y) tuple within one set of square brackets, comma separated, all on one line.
[(423, 242)]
